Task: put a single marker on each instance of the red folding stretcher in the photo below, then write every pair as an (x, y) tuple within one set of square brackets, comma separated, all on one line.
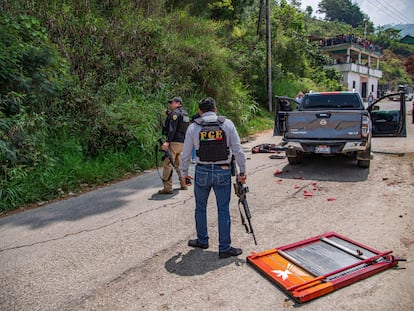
[(317, 266)]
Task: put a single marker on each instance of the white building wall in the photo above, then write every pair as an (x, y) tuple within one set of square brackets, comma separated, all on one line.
[(352, 78), (353, 81)]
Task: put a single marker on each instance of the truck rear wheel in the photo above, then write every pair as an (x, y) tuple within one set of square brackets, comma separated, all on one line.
[(296, 159), (364, 163), (364, 158)]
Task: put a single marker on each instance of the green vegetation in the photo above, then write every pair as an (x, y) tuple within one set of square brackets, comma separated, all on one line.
[(342, 11), (83, 84), (395, 54)]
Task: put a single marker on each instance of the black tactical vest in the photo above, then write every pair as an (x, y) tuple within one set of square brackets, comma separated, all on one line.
[(213, 141), (184, 120)]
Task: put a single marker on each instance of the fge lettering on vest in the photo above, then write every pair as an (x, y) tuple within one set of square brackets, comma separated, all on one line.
[(213, 141), (211, 135)]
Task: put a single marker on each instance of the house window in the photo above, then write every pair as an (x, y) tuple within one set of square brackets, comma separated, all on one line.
[(372, 87), (353, 84)]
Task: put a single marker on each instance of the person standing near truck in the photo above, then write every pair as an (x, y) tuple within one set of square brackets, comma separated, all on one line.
[(174, 129), (216, 140), (299, 97), (370, 99)]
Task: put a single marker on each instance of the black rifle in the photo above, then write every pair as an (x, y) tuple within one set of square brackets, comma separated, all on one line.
[(167, 154), (241, 191)]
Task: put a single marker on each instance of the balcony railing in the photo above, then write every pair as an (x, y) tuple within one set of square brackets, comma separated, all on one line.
[(361, 69), (375, 49)]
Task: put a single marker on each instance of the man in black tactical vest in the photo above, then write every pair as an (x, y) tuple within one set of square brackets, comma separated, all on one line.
[(174, 129), (215, 139)]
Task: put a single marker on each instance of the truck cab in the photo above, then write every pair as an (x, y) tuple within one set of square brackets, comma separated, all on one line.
[(337, 123)]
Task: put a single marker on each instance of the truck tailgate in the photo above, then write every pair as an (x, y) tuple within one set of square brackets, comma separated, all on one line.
[(327, 124)]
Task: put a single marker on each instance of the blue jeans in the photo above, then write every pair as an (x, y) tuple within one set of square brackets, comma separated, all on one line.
[(218, 177)]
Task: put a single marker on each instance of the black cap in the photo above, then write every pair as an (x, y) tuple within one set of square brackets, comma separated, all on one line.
[(176, 99), (207, 104)]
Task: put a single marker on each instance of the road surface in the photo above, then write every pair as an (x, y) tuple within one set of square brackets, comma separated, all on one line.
[(124, 247)]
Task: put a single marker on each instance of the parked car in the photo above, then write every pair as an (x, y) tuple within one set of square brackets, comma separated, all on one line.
[(403, 89)]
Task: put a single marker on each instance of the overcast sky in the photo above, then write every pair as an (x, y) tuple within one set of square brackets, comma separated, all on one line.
[(380, 12)]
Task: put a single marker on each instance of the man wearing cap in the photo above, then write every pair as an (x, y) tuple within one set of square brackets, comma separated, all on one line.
[(213, 170), (174, 129)]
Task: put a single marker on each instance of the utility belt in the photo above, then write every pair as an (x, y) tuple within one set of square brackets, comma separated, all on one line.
[(212, 165)]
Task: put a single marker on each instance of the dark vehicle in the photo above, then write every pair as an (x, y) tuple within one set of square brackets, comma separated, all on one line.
[(408, 92), (330, 123)]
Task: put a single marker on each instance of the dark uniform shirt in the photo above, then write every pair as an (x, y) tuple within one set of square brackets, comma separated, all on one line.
[(173, 125)]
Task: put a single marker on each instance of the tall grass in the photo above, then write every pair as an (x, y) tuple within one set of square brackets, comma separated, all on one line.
[(68, 170)]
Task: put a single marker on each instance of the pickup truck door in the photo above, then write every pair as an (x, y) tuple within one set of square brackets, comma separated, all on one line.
[(282, 105), (388, 117)]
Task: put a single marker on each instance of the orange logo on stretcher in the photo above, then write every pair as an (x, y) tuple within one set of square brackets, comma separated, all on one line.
[(288, 275), (290, 269), (283, 274)]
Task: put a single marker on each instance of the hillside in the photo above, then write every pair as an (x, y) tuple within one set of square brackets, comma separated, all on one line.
[(406, 29)]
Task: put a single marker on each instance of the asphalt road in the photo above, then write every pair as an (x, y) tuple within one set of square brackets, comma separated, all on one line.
[(124, 247)]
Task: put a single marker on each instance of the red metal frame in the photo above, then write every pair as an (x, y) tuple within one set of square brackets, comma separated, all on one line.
[(302, 285)]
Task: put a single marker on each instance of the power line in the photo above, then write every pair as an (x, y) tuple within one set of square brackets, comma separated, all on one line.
[(394, 10), (388, 10), (385, 10)]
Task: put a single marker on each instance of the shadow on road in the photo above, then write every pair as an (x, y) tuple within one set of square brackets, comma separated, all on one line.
[(338, 168), (198, 262), (161, 197), (100, 201), (84, 205)]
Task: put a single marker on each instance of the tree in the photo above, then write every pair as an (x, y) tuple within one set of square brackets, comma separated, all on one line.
[(388, 34), (32, 69), (409, 65), (343, 11), (309, 10)]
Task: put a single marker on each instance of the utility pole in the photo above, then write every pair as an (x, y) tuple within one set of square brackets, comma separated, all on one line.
[(365, 29), (268, 56)]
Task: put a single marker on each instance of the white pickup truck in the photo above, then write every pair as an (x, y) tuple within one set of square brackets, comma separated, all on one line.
[(331, 123)]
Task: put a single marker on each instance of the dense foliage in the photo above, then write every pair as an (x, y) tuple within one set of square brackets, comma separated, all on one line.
[(395, 54), (409, 65), (83, 84), (342, 11)]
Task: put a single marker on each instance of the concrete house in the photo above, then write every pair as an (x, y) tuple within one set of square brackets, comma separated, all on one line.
[(357, 60)]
